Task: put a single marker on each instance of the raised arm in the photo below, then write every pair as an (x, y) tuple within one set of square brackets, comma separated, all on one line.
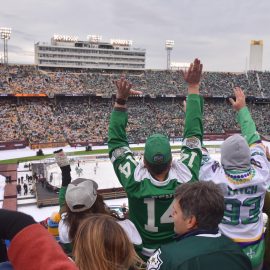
[(120, 154), (118, 121), (194, 104), (247, 125), (193, 130), (63, 162)]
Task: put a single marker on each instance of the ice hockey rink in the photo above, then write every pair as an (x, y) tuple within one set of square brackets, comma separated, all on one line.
[(98, 168)]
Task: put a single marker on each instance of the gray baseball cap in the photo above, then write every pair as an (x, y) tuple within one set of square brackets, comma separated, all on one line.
[(81, 194), (235, 153)]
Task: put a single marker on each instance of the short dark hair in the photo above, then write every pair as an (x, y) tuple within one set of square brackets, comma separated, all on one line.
[(204, 200), (156, 169)]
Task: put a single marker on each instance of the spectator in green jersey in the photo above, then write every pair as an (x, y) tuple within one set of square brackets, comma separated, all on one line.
[(197, 210), (151, 183)]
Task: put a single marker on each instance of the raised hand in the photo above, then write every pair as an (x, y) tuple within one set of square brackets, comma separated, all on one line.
[(124, 89), (194, 72), (240, 99), (193, 76)]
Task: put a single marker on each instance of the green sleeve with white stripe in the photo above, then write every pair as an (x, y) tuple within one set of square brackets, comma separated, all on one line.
[(193, 122), (247, 125), (119, 152), (117, 130), (191, 154)]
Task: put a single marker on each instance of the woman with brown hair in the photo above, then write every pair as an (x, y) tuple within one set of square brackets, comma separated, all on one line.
[(78, 200), (102, 244)]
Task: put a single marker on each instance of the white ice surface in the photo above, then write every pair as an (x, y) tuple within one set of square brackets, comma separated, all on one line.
[(27, 152), (104, 176)]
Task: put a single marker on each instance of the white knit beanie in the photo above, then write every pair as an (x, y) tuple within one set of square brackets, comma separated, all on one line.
[(235, 153)]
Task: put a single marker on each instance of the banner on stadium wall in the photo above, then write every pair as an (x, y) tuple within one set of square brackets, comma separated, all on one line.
[(6, 95), (76, 95), (13, 145), (47, 145), (30, 95), (80, 144), (72, 95)]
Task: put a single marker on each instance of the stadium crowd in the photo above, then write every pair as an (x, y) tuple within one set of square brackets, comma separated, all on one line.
[(86, 119), (193, 213), (10, 125), (80, 119), (189, 213), (27, 79)]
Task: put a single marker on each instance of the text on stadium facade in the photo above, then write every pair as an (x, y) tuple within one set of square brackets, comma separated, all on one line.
[(121, 42), (65, 38)]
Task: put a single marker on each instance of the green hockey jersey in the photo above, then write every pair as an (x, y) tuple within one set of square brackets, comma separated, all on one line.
[(201, 251), (150, 201), (244, 192)]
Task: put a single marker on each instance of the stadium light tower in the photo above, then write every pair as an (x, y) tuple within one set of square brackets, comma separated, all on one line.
[(5, 35), (169, 46)]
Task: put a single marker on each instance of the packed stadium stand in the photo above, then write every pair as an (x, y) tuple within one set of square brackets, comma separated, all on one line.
[(61, 107)]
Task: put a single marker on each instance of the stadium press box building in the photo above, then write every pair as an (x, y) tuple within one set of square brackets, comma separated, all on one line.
[(69, 53)]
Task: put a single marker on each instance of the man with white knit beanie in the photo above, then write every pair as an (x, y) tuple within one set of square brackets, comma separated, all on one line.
[(244, 176), (235, 153)]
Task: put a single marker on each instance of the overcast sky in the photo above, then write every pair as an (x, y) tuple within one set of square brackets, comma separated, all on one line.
[(217, 31)]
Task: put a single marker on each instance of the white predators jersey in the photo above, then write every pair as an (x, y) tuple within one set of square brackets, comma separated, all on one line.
[(244, 193)]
